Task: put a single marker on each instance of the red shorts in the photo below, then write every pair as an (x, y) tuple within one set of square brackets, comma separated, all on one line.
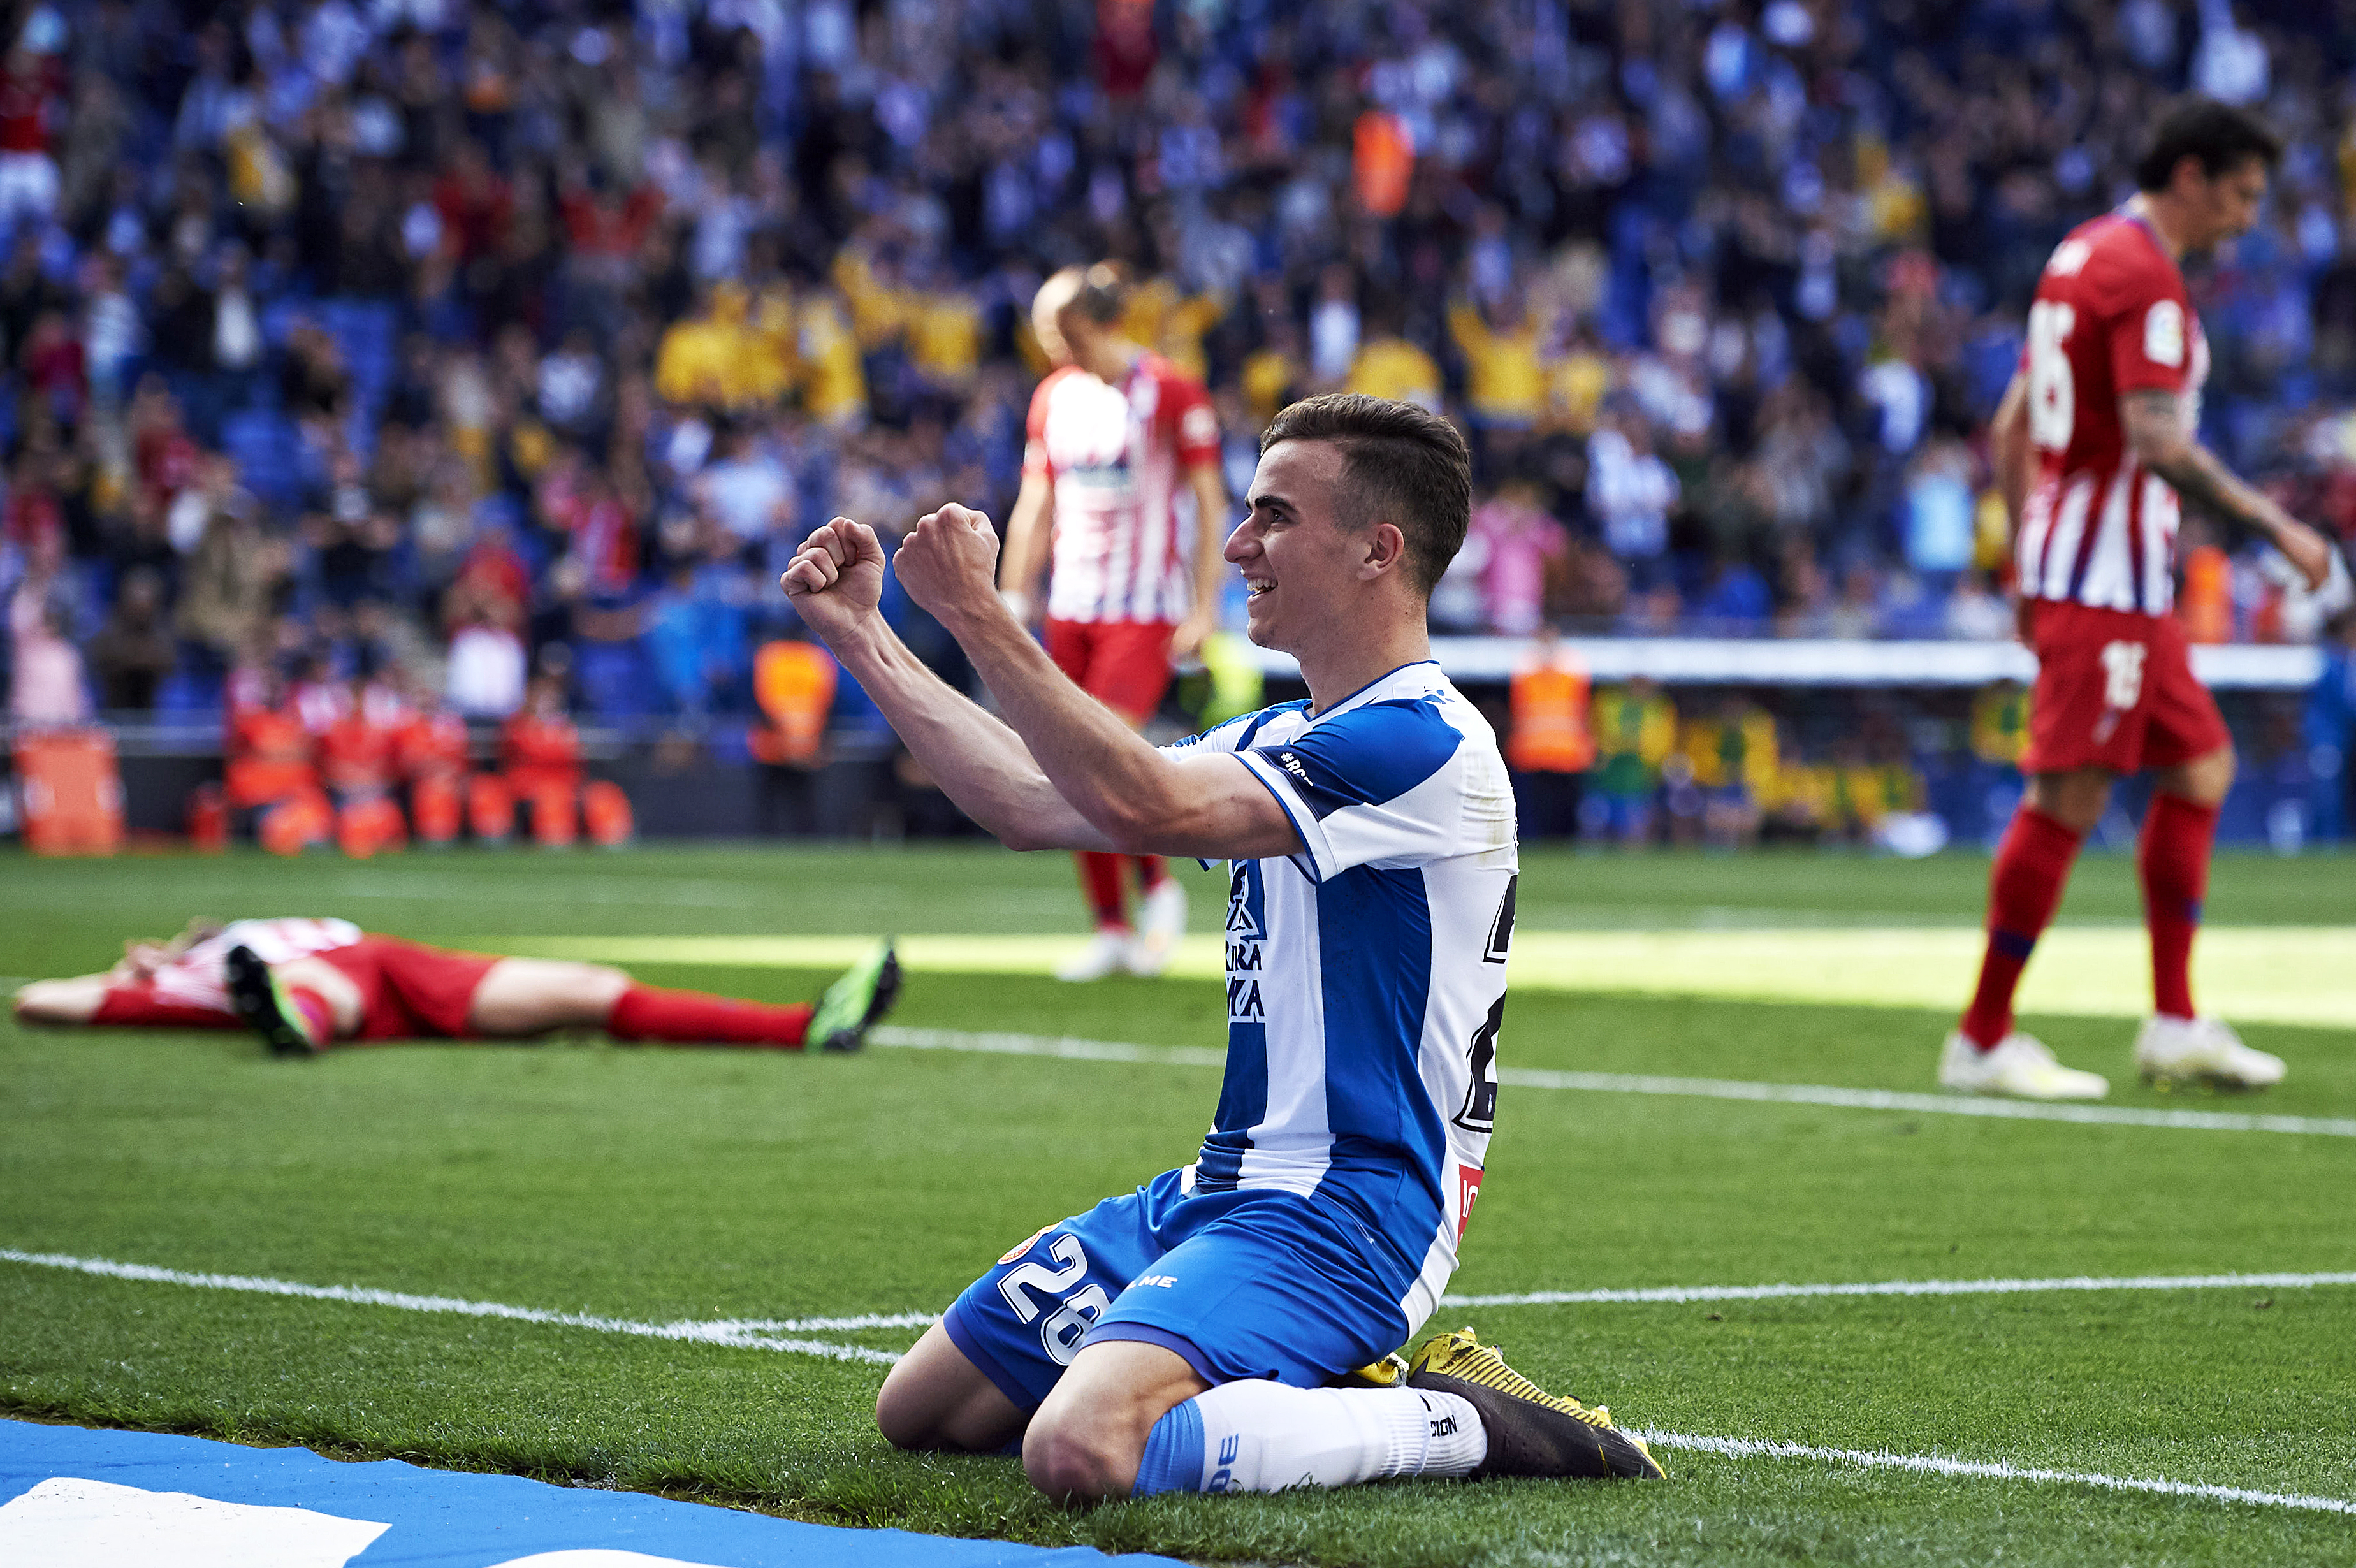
[(2115, 689), (1125, 665), (409, 991)]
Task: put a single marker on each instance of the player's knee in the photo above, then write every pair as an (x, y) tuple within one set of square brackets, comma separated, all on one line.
[(906, 1417), (602, 985), (1073, 1459)]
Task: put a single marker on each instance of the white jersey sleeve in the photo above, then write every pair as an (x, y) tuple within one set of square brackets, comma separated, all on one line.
[(1390, 784)]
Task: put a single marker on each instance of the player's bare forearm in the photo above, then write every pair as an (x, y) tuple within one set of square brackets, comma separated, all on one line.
[(836, 582), (2010, 452), (1025, 558), (2154, 426), (1142, 800), (1210, 564), (979, 762)]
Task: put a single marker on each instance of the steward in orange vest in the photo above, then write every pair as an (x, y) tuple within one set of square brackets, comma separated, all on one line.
[(1550, 747), (794, 683)]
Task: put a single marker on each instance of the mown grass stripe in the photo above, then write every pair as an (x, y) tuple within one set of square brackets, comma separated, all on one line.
[(763, 1334), (1992, 1470), (735, 1335), (1682, 1292), (1001, 1044)]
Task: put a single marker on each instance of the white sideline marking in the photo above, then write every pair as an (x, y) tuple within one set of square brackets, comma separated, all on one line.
[(759, 1334), (1647, 1083), (740, 1334), (1997, 1470), (1677, 1293)]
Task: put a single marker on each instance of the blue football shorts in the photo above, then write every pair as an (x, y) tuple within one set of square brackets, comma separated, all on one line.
[(1248, 1284)]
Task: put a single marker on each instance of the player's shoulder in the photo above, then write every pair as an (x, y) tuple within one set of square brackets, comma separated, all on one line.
[(1045, 393), (2114, 261), (1175, 391), (1400, 730)]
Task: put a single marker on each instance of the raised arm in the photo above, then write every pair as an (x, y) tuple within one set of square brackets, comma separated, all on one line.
[(1142, 800), (2159, 434), (836, 582)]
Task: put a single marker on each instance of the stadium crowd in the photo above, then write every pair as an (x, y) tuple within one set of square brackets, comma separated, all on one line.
[(479, 342)]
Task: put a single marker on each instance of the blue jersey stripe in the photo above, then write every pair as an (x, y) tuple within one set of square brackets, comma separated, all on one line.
[(1374, 940), (1366, 757), (1243, 1092)]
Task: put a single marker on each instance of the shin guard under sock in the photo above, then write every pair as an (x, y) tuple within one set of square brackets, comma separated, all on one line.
[(2033, 864), (2173, 860), (646, 1013)]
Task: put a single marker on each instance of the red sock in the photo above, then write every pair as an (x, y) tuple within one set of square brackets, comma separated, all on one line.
[(2174, 860), (1153, 870), (646, 1012), (1100, 880), (2031, 865), (317, 1017)]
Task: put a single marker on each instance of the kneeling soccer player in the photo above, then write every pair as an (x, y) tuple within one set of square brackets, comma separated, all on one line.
[(1180, 1337), (305, 984)]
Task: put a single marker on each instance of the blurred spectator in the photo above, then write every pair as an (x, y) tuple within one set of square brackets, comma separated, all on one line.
[(1518, 546), (1629, 492), (135, 650), (434, 314)]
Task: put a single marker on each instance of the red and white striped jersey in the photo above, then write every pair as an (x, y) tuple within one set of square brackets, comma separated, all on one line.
[(2111, 317), (199, 976), (1124, 522)]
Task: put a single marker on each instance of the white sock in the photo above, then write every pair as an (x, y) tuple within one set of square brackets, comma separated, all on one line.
[(1261, 1436)]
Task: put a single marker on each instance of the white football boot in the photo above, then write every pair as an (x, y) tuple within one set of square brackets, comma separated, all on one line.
[(2019, 1066), (1160, 922), (2204, 1050), (1105, 953)]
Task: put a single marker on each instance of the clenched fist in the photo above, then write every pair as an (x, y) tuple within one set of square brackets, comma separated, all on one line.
[(948, 563), (836, 579)]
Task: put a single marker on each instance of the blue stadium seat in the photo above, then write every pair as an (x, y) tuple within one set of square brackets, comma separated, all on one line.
[(269, 456)]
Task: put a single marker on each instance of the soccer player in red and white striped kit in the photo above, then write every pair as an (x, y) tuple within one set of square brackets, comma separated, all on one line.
[(2095, 444), (1121, 486)]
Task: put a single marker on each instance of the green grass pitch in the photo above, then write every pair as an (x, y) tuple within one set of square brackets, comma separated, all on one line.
[(666, 1186)]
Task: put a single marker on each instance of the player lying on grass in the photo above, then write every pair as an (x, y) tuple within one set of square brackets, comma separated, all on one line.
[(2096, 443), (1181, 1337), (305, 984)]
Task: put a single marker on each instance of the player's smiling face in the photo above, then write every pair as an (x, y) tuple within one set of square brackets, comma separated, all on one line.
[(1297, 562)]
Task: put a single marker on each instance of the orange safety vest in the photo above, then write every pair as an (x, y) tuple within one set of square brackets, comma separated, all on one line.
[(2206, 606), (1382, 162), (1550, 733), (794, 683)]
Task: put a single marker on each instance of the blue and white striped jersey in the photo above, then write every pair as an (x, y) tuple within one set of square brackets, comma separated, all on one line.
[(1366, 974)]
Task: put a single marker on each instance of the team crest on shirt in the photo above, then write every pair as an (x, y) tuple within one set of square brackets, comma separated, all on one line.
[(2163, 333)]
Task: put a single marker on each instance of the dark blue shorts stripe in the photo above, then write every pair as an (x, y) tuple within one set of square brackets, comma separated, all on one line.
[(1147, 1334)]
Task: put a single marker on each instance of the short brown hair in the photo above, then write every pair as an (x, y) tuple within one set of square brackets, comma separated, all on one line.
[(2221, 136), (1401, 464)]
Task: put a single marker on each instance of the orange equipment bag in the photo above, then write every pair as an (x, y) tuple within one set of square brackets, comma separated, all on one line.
[(73, 792), (606, 813), (555, 821), (490, 808), (437, 802)]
